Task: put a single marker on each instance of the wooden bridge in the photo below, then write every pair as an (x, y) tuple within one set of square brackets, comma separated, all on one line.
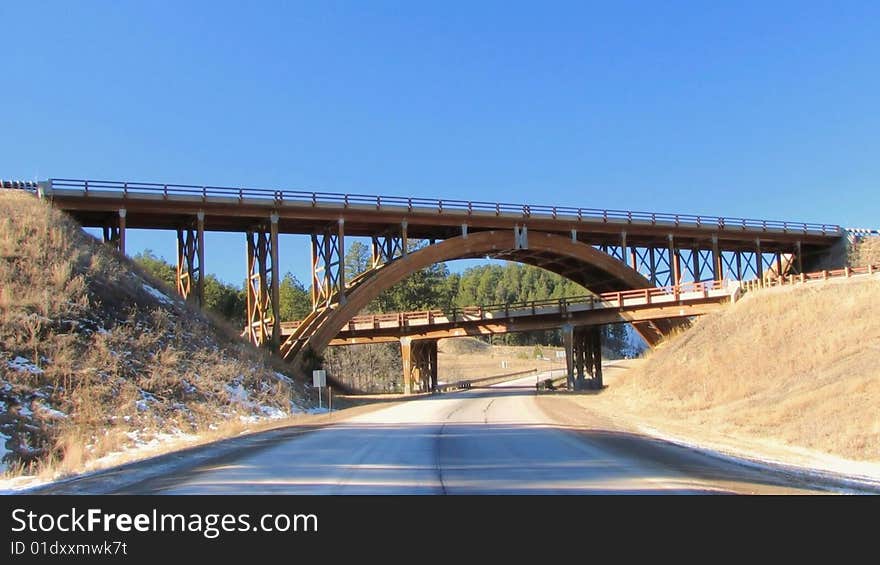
[(606, 251)]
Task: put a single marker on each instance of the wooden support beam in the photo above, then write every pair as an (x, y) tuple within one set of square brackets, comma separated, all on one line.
[(275, 283), (407, 362), (200, 255), (759, 263), (674, 262), (717, 263), (568, 343), (121, 235)]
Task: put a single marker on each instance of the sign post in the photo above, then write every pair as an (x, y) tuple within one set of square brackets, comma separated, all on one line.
[(319, 379)]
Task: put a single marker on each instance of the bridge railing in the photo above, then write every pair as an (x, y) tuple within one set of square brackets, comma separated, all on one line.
[(439, 206), (804, 278), (621, 299), (607, 300)]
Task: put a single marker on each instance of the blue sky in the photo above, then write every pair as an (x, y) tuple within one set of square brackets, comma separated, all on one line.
[(756, 109)]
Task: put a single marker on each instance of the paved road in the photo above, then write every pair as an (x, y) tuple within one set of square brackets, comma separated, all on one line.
[(483, 441)]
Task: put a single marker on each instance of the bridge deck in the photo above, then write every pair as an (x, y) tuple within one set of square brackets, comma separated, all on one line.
[(165, 206), (626, 306)]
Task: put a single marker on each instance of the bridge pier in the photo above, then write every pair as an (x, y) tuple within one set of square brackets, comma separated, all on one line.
[(419, 364), (191, 261), (263, 290), (114, 231), (583, 356), (328, 266)]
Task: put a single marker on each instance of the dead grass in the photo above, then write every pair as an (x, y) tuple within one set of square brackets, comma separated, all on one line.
[(792, 365), (866, 252), (105, 357), (487, 361)]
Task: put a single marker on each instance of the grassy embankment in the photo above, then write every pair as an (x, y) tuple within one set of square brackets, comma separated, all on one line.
[(97, 357), (791, 367)]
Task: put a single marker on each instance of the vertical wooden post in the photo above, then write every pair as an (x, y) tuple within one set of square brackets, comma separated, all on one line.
[(253, 332), (316, 282), (597, 357), (404, 239), (759, 269), (674, 263), (717, 264), (340, 252), (567, 341), (432, 353), (407, 362), (121, 242), (276, 287), (200, 240), (799, 255)]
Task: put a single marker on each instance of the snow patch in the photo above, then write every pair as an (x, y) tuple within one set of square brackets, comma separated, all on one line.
[(847, 477), (144, 403), (158, 294), (23, 364), (237, 393), (3, 451), (50, 413)]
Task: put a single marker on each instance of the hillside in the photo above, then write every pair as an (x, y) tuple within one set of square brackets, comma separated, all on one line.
[(792, 366), (96, 356)]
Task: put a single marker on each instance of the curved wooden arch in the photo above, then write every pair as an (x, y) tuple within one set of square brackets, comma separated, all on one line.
[(608, 273)]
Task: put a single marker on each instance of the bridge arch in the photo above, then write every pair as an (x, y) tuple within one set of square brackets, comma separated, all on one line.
[(574, 260)]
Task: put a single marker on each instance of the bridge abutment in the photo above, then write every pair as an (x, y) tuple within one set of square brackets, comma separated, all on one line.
[(583, 356), (419, 360)]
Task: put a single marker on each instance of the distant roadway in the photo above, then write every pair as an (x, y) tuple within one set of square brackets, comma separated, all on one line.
[(503, 439)]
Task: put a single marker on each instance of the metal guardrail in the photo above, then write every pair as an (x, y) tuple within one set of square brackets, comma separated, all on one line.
[(439, 206), (19, 185), (463, 384)]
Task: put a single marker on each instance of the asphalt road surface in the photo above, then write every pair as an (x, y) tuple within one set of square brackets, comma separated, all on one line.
[(498, 440)]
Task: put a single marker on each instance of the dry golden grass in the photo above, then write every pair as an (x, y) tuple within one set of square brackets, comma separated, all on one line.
[(792, 365), (866, 252), (108, 354), (467, 360)]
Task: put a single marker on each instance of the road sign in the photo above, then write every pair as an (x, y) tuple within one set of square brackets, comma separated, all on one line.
[(319, 378)]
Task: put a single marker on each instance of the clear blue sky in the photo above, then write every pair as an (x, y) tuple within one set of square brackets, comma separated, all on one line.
[(757, 109)]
